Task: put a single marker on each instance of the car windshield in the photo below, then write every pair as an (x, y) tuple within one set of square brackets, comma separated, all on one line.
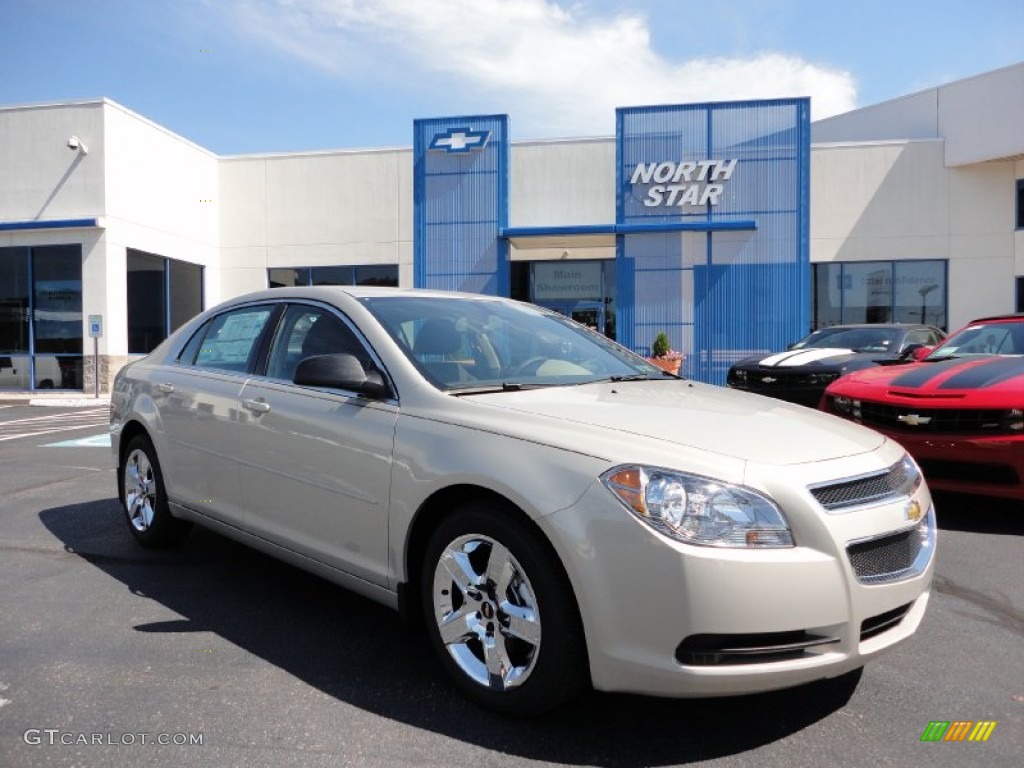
[(857, 339), (479, 344), (1006, 338)]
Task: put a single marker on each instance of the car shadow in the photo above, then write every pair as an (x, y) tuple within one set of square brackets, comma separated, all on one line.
[(978, 514), (358, 652)]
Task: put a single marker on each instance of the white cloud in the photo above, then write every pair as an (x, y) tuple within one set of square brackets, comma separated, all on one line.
[(558, 69)]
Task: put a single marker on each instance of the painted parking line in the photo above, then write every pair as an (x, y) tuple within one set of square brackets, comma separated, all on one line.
[(96, 441), (35, 426)]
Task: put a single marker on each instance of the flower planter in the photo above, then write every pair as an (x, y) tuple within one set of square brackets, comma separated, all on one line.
[(670, 364)]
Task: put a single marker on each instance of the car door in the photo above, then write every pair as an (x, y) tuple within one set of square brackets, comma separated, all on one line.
[(200, 417), (315, 464)]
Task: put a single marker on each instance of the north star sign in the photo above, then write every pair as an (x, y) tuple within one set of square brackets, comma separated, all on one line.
[(692, 182)]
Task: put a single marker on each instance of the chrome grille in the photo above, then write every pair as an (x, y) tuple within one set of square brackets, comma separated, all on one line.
[(886, 558), (899, 480)]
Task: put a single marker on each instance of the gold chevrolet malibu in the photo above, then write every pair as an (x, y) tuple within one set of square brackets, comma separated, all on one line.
[(557, 511)]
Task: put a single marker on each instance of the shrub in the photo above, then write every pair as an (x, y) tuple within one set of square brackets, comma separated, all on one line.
[(661, 345)]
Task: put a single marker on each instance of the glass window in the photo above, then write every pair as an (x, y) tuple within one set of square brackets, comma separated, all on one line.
[(14, 312), (383, 275), (1020, 203), (146, 309), (188, 354), (287, 278), (333, 275), (919, 292), (14, 372), (186, 287), (163, 295), (231, 339), (58, 372), (57, 294), (867, 292), (911, 291), (480, 344), (368, 274), (308, 331), (1020, 294), (828, 300)]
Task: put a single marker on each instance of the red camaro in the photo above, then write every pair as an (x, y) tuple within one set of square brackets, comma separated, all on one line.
[(959, 411)]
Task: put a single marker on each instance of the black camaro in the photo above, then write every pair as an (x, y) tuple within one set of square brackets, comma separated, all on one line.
[(801, 374)]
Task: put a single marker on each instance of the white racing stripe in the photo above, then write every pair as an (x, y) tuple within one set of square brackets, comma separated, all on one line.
[(803, 356)]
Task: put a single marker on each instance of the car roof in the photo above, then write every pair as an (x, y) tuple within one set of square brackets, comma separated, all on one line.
[(1013, 317), (898, 326), (331, 292)]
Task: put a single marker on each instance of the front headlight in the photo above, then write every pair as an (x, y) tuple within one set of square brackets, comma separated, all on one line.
[(699, 510), (846, 406)]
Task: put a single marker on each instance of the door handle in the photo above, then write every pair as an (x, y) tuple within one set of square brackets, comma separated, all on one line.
[(256, 406), (164, 387)]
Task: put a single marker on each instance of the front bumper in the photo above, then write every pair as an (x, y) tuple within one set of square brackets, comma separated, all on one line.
[(658, 613), (990, 466), (781, 388)]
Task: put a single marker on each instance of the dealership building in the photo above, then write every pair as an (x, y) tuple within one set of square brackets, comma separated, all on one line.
[(734, 227)]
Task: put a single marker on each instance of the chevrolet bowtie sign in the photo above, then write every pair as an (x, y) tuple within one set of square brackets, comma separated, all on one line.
[(460, 140)]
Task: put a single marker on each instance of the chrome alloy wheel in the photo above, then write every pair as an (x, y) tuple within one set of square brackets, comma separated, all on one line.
[(139, 490), (486, 612)]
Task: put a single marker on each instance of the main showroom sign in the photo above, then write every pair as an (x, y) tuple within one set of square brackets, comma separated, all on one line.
[(691, 182)]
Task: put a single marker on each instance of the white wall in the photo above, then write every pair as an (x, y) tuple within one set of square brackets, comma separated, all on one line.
[(979, 117), (897, 200), (40, 178), (162, 197), (562, 183), (320, 209)]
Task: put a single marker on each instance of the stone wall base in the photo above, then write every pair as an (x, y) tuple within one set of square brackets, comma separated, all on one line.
[(109, 366)]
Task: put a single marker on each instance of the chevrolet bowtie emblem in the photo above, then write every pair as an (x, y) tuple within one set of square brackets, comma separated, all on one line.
[(913, 419), (460, 140), (913, 510)]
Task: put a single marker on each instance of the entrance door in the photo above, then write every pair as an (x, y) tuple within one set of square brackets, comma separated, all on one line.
[(588, 313)]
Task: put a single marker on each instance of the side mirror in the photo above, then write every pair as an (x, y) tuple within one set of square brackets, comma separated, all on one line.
[(909, 351), (921, 352), (339, 371)]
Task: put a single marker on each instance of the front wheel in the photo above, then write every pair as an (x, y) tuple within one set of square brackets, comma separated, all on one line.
[(500, 613), (144, 498)]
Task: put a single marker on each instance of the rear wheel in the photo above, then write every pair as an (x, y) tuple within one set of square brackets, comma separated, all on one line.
[(501, 614), (144, 498)]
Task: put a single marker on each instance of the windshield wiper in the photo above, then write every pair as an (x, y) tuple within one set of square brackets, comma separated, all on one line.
[(636, 377), (487, 389)]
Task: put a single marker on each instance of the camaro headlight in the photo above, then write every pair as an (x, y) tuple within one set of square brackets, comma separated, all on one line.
[(846, 406), (699, 510), (1015, 420)]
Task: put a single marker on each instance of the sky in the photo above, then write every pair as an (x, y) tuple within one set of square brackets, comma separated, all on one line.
[(255, 76)]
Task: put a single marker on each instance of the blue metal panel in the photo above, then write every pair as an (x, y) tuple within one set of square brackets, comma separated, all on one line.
[(728, 186), (460, 188), (6, 226)]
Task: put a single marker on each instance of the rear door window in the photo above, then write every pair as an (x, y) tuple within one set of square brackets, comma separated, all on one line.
[(231, 339)]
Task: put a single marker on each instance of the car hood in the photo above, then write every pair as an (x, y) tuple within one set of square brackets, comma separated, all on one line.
[(699, 416), (814, 358), (985, 380)]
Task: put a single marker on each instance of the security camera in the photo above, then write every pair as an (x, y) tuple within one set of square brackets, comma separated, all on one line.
[(75, 145)]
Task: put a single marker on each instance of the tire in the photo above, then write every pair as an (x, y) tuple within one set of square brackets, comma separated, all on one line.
[(500, 613), (144, 498)]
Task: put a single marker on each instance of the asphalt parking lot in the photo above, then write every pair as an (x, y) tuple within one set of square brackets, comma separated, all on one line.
[(232, 658)]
